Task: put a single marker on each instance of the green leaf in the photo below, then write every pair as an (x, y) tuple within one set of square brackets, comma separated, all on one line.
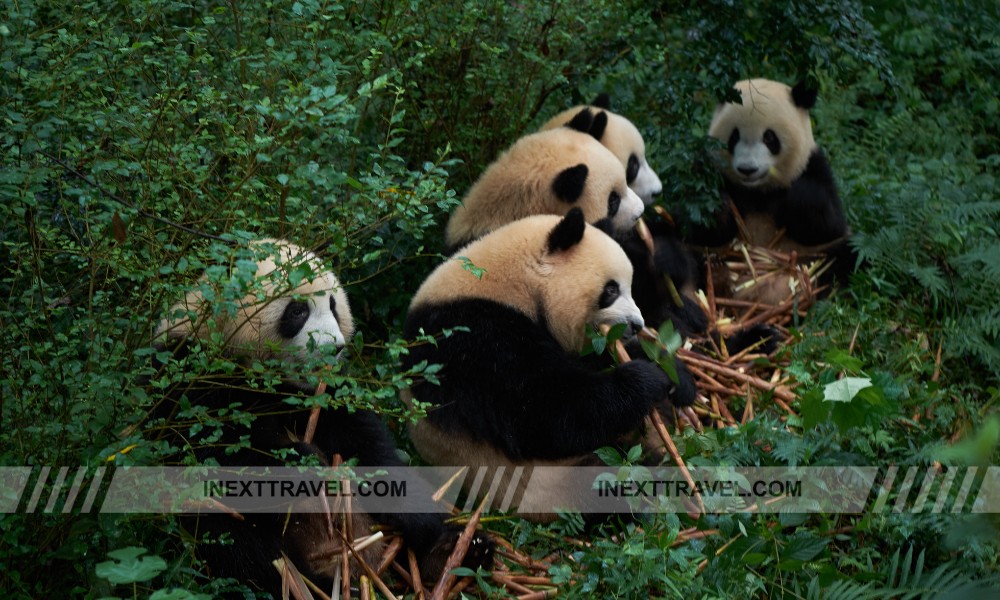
[(468, 265), (813, 409), (804, 547), (129, 568), (609, 456), (844, 390)]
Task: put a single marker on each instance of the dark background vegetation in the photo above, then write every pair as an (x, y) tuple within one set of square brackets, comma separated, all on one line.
[(360, 124)]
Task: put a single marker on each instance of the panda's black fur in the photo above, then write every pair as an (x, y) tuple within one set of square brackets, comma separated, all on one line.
[(259, 539)]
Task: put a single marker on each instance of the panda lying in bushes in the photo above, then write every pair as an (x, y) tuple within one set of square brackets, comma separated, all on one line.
[(298, 305)]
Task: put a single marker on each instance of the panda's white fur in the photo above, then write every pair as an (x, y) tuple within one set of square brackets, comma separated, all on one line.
[(548, 172), (623, 139), (255, 330)]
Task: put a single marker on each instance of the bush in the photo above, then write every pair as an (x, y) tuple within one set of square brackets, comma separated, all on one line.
[(145, 141)]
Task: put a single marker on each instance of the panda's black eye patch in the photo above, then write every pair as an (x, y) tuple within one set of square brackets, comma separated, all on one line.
[(614, 203), (293, 319), (772, 142), (632, 169), (734, 138), (610, 293)]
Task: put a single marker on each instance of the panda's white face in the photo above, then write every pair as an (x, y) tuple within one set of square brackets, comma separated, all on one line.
[(310, 321), (624, 209), (274, 320), (615, 305), (310, 318), (753, 155), (624, 139), (642, 179), (768, 137)]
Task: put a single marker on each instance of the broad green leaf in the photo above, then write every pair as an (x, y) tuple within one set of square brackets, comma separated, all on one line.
[(844, 390), (129, 568)]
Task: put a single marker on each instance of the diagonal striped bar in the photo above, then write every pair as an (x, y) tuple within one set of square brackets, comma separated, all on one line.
[(74, 489), (13, 480), (942, 496), (95, 486), (988, 500), (963, 492), (925, 489), (43, 476), (515, 480), (56, 489), (883, 495), (470, 502), (904, 492)]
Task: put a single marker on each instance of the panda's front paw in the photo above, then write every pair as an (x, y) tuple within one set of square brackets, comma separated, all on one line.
[(646, 383), (684, 391), (480, 553)]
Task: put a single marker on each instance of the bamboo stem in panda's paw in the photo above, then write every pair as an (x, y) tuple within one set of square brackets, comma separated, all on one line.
[(654, 420)]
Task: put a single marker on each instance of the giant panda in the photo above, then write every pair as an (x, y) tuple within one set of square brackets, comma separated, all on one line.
[(294, 307), (514, 389), (778, 179), (549, 172)]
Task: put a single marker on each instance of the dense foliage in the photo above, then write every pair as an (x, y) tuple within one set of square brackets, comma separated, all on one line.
[(142, 141)]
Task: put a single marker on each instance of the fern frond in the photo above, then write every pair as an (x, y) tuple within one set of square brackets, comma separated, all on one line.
[(907, 580)]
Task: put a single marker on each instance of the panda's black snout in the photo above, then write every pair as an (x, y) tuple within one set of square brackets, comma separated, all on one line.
[(747, 170)]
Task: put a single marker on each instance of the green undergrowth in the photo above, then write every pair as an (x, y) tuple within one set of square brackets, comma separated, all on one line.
[(145, 141)]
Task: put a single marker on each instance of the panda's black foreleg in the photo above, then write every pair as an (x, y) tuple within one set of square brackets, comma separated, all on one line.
[(811, 212)]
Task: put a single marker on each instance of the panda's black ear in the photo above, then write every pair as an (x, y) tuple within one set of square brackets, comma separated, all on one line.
[(569, 183), (586, 121), (804, 95), (568, 232), (603, 100), (581, 121), (599, 125)]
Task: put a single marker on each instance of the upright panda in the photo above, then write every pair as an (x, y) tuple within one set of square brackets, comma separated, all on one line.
[(549, 172), (514, 389), (777, 177), (623, 139), (293, 306)]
